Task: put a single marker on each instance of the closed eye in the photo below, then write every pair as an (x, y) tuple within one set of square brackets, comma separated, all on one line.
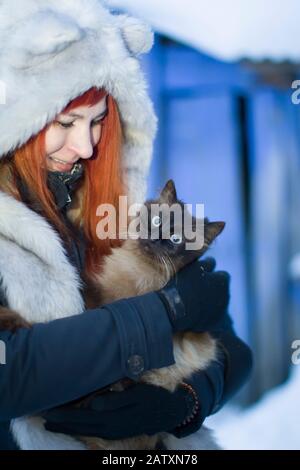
[(67, 125), (64, 124)]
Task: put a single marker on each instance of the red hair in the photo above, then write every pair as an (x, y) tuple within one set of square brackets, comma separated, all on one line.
[(101, 182)]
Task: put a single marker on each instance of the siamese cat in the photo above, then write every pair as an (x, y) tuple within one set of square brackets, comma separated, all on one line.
[(143, 265), (139, 266)]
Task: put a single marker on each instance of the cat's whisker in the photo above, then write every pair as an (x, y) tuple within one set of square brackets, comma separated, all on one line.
[(166, 264), (171, 265), (163, 262)]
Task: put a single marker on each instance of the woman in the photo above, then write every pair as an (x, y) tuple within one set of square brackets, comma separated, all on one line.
[(76, 130)]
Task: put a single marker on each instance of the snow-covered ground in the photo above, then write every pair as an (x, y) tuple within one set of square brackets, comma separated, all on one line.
[(272, 423)]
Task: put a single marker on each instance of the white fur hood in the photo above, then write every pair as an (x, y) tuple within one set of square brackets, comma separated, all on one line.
[(54, 50)]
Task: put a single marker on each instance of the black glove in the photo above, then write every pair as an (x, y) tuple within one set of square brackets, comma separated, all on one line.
[(196, 298), (141, 409)]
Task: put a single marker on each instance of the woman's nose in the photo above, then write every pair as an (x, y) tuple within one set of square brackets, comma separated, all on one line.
[(82, 143)]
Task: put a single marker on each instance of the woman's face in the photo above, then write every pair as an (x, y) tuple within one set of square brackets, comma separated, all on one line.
[(73, 136)]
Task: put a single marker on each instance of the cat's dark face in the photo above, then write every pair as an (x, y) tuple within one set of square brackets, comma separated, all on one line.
[(169, 239)]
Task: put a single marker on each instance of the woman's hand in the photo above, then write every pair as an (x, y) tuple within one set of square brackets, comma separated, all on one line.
[(197, 297), (141, 409)]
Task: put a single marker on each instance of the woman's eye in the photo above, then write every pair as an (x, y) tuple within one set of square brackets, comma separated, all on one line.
[(156, 221), (94, 123), (176, 238), (65, 125)]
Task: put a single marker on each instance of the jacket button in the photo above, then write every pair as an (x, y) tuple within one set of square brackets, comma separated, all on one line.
[(136, 364)]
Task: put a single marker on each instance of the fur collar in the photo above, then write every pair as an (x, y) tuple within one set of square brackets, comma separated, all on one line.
[(31, 249), (42, 285)]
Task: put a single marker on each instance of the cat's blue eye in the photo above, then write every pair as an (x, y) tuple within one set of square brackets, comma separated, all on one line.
[(156, 221), (176, 238)]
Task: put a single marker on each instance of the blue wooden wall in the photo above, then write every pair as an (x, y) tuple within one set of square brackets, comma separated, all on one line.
[(230, 142)]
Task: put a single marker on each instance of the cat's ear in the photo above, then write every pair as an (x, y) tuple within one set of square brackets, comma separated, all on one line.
[(212, 230), (168, 193)]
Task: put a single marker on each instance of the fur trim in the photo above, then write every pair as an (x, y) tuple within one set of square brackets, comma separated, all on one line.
[(57, 49), (38, 265), (138, 36), (30, 434)]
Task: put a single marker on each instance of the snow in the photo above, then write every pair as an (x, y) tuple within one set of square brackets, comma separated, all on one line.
[(272, 423), (229, 29)]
